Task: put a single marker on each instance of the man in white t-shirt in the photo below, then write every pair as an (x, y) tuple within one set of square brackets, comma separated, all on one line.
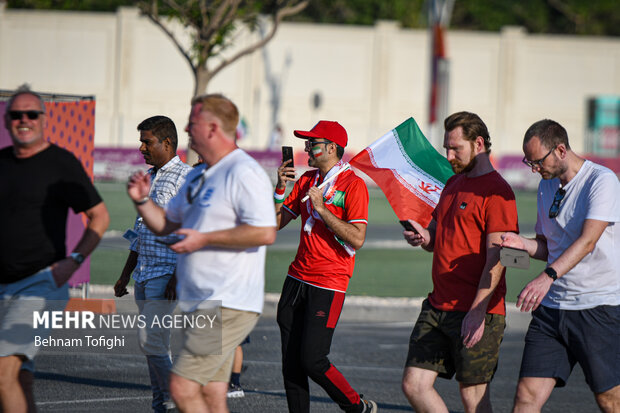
[(575, 301), (224, 215)]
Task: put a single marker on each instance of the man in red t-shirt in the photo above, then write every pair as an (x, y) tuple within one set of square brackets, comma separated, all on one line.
[(333, 204), (461, 324)]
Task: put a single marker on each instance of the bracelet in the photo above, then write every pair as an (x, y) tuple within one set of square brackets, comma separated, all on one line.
[(278, 195), (142, 201)]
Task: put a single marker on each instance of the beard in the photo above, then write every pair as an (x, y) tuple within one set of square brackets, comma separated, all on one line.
[(461, 168)]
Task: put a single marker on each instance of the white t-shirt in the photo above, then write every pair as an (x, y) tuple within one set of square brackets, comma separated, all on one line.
[(234, 191), (594, 193)]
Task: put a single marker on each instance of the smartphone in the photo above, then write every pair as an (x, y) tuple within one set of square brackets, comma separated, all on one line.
[(169, 241), (287, 153), (514, 257), (407, 225)]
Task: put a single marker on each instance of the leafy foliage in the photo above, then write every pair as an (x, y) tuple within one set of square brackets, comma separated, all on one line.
[(587, 17)]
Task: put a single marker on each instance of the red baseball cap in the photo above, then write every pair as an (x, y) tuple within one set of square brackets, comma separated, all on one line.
[(326, 129)]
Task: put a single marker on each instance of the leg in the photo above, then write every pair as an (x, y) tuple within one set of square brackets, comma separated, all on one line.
[(418, 388), (476, 398), (532, 393), (214, 394), (609, 401), (159, 373), (26, 381), (321, 314), (155, 341), (476, 366), (290, 320), (238, 360), (11, 393), (187, 395), (234, 386)]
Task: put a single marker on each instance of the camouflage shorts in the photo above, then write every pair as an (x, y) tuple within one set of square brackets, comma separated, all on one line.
[(436, 345)]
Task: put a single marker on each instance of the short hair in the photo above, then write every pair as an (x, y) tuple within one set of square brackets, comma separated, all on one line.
[(550, 133), (339, 151), (24, 90), (161, 127), (222, 108), (472, 126)]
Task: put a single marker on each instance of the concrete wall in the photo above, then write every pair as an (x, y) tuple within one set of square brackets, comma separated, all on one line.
[(370, 78)]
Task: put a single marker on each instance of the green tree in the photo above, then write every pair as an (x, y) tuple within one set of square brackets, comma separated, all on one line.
[(212, 24)]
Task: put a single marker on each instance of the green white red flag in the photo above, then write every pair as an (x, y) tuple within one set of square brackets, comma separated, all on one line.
[(409, 171)]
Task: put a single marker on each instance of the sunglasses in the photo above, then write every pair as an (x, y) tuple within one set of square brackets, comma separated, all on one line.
[(19, 114), (310, 144), (557, 200), (539, 162)]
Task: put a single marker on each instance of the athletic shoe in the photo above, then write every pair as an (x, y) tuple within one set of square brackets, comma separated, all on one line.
[(234, 391), (170, 406), (369, 406)]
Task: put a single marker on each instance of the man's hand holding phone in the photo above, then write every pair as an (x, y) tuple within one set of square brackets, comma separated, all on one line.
[(413, 232), (286, 171)]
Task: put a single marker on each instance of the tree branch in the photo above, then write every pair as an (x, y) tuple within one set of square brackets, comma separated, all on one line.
[(281, 14), (155, 19)]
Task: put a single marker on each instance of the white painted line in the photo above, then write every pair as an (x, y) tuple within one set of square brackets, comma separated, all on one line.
[(111, 399)]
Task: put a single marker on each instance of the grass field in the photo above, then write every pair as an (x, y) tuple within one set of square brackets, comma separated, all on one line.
[(378, 272)]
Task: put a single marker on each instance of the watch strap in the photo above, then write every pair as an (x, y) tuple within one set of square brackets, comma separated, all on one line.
[(551, 273)]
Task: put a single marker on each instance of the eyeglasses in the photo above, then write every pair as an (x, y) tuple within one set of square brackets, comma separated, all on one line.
[(539, 162), (310, 144), (19, 114), (194, 187), (557, 200)]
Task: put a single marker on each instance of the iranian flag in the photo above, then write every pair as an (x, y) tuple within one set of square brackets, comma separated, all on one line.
[(409, 171)]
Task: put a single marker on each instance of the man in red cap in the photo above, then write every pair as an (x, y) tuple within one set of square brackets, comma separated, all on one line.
[(333, 204)]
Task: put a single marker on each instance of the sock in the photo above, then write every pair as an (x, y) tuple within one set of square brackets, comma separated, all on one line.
[(235, 378)]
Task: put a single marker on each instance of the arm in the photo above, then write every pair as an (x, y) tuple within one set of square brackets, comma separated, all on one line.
[(154, 216), (533, 293), (99, 219), (353, 234), (472, 327), (242, 236), (425, 237), (120, 288)]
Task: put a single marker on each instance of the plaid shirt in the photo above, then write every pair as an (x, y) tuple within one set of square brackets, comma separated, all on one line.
[(155, 259)]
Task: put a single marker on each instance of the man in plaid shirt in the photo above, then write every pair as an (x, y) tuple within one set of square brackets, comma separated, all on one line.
[(151, 261)]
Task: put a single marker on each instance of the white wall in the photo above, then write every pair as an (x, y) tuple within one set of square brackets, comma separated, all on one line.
[(370, 78)]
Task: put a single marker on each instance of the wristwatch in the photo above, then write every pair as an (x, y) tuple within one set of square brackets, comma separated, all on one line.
[(551, 273), (77, 257)]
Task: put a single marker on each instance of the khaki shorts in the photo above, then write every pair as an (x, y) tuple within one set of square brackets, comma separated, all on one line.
[(436, 344), (214, 365)]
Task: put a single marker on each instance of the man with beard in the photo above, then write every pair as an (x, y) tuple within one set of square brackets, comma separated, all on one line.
[(461, 323), (333, 204), (150, 260), (575, 301)]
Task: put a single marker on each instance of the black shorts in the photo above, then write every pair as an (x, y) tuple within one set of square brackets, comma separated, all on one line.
[(557, 339)]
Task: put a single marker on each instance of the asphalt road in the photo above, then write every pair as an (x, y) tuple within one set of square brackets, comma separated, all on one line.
[(370, 354)]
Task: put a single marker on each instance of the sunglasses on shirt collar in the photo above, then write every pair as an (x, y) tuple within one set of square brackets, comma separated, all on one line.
[(557, 201)]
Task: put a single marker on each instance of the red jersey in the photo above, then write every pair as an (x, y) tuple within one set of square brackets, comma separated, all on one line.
[(468, 210), (321, 258)]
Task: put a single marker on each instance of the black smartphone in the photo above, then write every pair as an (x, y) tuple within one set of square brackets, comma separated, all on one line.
[(168, 241), (287, 153), (407, 225)]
